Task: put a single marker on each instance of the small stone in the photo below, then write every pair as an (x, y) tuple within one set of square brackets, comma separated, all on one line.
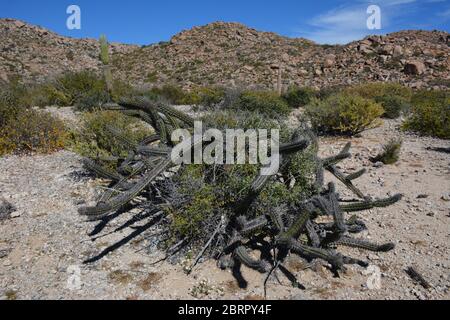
[(378, 164), (16, 214)]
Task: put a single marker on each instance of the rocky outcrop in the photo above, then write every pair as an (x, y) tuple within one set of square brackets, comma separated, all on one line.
[(35, 53), (232, 54)]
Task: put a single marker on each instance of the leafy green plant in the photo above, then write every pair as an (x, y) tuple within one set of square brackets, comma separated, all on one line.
[(393, 106), (23, 129), (30, 130), (390, 153), (343, 114), (207, 97), (171, 93), (299, 97), (266, 102), (94, 138), (430, 114), (395, 98)]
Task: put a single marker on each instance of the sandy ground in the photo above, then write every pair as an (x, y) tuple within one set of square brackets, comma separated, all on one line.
[(44, 243)]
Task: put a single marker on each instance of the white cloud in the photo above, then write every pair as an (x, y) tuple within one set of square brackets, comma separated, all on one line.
[(346, 24)]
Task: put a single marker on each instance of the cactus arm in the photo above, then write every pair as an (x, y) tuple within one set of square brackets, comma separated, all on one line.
[(356, 175), (365, 245), (333, 258), (121, 200), (366, 205), (254, 225), (101, 171), (312, 234), (295, 229), (293, 147), (277, 221), (241, 254), (341, 177)]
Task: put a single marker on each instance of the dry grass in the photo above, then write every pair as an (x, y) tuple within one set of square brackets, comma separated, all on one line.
[(120, 277), (152, 279)]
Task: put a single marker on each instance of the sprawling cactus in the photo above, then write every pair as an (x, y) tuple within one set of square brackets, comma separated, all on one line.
[(237, 235)]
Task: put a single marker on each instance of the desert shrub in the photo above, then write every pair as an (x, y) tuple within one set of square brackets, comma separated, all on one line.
[(390, 153), (23, 129), (393, 105), (343, 114), (80, 86), (326, 92), (378, 89), (299, 97), (85, 90), (30, 130), (9, 102), (207, 97), (204, 192), (394, 97), (430, 114), (172, 93), (231, 96), (95, 140), (266, 102)]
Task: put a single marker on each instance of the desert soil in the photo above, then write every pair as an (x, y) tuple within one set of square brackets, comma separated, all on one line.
[(44, 243)]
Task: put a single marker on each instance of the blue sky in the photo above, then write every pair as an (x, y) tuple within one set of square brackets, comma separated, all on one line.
[(145, 22)]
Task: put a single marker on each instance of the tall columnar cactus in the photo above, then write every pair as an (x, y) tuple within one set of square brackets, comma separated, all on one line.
[(105, 59), (297, 228)]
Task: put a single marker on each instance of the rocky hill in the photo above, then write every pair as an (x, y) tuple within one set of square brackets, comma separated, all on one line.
[(233, 54), (35, 53)]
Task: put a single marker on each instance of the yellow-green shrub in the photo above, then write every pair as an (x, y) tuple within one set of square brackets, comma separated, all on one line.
[(430, 114), (94, 140), (299, 97), (394, 97), (343, 114), (205, 191), (204, 96), (265, 102), (32, 130), (373, 90)]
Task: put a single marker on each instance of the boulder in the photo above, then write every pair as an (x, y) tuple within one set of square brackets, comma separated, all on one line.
[(414, 67)]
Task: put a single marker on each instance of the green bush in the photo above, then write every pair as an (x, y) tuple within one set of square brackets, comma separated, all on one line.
[(299, 97), (206, 191), (395, 98), (85, 90), (172, 93), (204, 96), (30, 130), (343, 114), (94, 140), (266, 102), (379, 89), (393, 105), (430, 114)]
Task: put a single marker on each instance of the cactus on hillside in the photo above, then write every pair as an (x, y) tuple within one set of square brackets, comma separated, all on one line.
[(105, 59)]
